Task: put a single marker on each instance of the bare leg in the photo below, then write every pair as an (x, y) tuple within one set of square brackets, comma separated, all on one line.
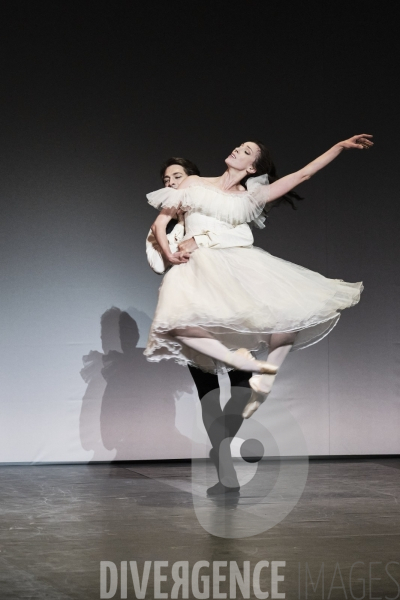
[(279, 340), (202, 341), (280, 346)]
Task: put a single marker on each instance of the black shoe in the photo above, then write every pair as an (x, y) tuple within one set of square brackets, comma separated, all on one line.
[(220, 488)]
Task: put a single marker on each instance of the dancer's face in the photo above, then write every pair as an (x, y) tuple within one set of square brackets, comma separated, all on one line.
[(173, 176), (242, 157)]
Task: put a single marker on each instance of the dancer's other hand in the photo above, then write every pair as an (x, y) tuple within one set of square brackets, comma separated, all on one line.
[(189, 245), (358, 141), (177, 258)]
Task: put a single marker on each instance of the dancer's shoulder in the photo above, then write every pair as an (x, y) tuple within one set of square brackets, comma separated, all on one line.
[(189, 181)]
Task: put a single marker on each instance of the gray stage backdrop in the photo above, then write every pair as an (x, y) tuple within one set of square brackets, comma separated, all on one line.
[(83, 134)]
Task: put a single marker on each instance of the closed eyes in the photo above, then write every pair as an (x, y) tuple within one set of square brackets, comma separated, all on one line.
[(250, 151)]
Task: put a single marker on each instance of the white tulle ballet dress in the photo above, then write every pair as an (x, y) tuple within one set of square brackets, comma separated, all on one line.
[(240, 295)]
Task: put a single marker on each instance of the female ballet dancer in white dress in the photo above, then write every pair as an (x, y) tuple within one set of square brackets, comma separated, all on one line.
[(217, 305)]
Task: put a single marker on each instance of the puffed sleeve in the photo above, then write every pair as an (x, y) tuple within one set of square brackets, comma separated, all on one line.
[(232, 207), (166, 198), (154, 255)]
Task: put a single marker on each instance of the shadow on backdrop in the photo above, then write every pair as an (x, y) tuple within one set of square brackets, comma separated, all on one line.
[(129, 401)]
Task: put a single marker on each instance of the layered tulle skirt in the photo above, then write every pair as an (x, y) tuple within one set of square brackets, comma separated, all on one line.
[(241, 296)]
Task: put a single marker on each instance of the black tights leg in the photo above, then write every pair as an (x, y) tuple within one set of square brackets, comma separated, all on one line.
[(221, 424)]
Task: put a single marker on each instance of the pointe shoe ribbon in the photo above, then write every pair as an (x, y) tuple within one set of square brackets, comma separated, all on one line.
[(244, 360)]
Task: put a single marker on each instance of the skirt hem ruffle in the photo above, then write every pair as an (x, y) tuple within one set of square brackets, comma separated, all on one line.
[(174, 348)]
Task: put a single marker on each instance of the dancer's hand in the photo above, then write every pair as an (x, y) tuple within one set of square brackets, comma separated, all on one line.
[(189, 245), (357, 141), (177, 258)]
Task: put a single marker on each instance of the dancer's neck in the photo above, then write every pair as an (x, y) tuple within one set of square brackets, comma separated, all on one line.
[(229, 181)]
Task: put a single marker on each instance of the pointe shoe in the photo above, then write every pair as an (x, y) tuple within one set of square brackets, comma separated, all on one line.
[(261, 386), (262, 383), (265, 367), (244, 360), (253, 404)]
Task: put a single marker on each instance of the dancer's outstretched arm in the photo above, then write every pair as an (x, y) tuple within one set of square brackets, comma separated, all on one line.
[(285, 184)]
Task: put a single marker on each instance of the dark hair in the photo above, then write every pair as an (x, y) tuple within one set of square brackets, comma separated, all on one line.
[(188, 166), (265, 165), (190, 169)]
